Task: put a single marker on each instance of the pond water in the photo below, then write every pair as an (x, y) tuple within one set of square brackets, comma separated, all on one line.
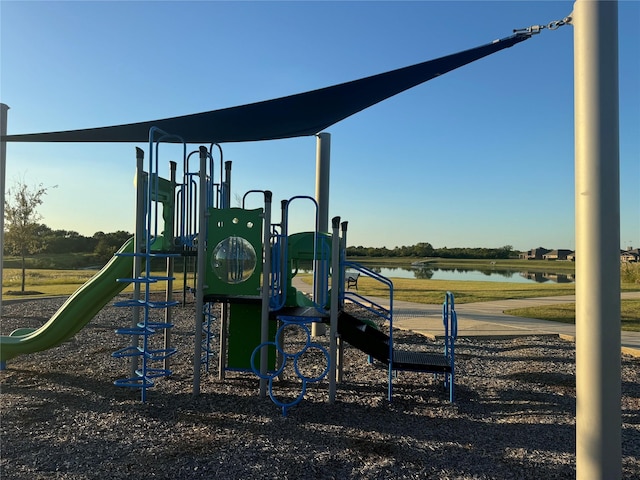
[(469, 274)]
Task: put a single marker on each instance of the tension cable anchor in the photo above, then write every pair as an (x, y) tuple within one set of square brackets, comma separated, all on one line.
[(535, 29)]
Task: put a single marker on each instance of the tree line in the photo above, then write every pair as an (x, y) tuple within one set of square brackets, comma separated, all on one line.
[(102, 244), (25, 235), (425, 249)]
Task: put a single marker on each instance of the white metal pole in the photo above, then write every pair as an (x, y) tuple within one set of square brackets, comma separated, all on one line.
[(226, 185), (333, 319), (4, 108), (170, 268), (343, 256), (138, 243), (323, 162), (266, 280), (597, 197), (200, 269), (343, 251)]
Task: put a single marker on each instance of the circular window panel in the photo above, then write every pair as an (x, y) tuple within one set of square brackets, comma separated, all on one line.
[(233, 260)]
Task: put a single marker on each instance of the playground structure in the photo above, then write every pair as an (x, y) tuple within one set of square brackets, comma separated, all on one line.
[(598, 376), (250, 278), (245, 263)]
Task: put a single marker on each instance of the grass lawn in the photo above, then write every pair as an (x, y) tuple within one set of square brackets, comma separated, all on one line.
[(57, 282), (65, 282), (42, 281), (565, 313), (433, 291)]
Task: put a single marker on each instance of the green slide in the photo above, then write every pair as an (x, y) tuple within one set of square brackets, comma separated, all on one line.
[(75, 313)]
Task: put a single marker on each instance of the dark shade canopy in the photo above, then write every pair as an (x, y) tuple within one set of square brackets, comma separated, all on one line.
[(293, 116)]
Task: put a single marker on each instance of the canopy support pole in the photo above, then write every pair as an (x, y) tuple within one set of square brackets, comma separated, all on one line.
[(3, 169), (597, 197), (323, 162)]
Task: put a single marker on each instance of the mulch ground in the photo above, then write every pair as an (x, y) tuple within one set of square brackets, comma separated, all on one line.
[(62, 417)]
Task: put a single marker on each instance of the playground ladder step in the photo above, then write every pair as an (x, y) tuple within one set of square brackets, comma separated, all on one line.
[(420, 361), (153, 373), (134, 382)]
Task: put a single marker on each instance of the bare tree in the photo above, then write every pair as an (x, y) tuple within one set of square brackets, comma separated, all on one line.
[(21, 222)]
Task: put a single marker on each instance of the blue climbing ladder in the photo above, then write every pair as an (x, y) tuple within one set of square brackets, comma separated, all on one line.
[(142, 347), (156, 197)]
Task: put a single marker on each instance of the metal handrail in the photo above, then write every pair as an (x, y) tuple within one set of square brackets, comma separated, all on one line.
[(373, 307)]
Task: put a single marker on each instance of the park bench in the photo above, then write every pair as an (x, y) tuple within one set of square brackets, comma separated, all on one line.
[(352, 279)]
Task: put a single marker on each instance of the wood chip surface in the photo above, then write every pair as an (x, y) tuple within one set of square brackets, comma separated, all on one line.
[(62, 417)]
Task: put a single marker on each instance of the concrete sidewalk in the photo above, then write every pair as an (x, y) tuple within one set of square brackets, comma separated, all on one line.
[(486, 319)]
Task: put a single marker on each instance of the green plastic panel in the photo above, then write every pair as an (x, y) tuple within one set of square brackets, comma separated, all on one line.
[(301, 246), (234, 252), (244, 337)]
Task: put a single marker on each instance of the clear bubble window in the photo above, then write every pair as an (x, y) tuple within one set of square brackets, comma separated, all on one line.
[(233, 260)]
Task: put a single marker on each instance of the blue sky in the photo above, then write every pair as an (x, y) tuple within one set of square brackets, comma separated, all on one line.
[(480, 157)]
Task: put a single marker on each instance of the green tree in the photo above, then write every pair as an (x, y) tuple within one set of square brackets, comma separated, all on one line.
[(109, 243), (423, 249), (23, 234), (65, 241)]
